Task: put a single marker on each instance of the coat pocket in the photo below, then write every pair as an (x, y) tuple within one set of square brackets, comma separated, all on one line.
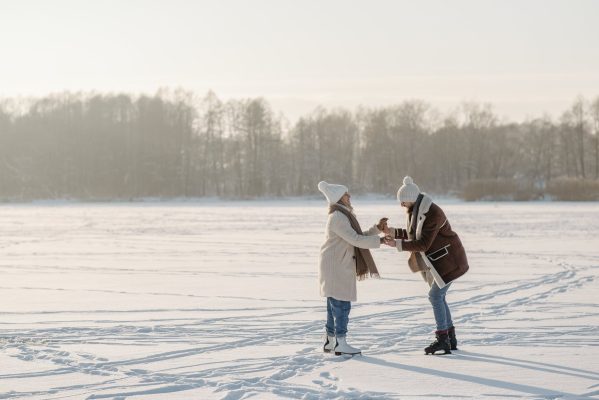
[(438, 254)]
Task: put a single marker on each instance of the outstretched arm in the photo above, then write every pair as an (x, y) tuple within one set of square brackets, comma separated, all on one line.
[(380, 227), (397, 233), (430, 229), (341, 226)]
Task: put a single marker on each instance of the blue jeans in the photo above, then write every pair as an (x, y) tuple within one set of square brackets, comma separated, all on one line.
[(337, 317), (442, 315)]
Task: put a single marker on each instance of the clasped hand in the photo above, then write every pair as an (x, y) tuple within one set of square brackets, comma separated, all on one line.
[(389, 241), (382, 226)]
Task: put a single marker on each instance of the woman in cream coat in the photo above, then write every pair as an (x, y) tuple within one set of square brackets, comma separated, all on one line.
[(340, 258)]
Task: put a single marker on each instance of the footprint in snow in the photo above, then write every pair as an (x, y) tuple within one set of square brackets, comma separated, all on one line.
[(328, 375)]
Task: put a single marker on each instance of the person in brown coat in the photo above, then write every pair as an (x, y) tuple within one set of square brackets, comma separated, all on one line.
[(436, 252)]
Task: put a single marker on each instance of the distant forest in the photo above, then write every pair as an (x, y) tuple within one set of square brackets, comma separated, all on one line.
[(95, 146)]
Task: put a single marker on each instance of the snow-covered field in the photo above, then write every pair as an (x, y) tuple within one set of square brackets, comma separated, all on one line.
[(220, 301)]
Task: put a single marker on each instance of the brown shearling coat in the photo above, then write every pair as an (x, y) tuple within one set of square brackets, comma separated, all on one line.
[(435, 240)]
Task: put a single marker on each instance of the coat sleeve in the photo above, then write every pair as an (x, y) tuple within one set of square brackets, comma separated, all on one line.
[(398, 233), (372, 231), (341, 226), (430, 229)]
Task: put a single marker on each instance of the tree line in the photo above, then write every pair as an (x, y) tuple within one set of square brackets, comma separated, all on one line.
[(177, 144)]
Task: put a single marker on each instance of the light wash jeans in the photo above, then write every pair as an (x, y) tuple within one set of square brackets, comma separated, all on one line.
[(442, 315), (337, 317)]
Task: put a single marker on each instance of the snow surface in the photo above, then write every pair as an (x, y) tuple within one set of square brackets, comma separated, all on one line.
[(220, 301)]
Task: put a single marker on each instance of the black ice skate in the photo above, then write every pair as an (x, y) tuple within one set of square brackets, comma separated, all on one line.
[(442, 343), (453, 342)]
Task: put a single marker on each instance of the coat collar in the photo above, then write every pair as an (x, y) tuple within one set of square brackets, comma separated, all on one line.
[(425, 204)]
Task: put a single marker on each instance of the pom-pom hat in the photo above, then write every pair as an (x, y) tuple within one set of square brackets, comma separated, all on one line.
[(408, 192), (332, 192)]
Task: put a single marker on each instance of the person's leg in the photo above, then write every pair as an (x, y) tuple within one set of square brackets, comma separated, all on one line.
[(453, 341), (448, 319), (441, 312), (436, 296), (341, 311), (329, 337), (330, 325)]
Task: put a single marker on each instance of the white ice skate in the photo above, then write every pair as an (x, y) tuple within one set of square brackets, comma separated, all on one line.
[(343, 348), (329, 343)]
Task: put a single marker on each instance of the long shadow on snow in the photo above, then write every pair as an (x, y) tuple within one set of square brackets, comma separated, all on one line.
[(534, 390), (544, 367)]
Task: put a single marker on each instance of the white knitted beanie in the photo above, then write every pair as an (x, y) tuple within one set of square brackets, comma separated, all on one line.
[(409, 191), (332, 192)]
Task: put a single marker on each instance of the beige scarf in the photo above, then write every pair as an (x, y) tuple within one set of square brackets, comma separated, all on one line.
[(364, 262)]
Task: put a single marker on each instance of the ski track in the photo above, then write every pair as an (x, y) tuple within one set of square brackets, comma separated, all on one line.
[(247, 377)]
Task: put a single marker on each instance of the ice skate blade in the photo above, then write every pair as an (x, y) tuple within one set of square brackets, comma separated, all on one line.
[(338, 353), (440, 354)]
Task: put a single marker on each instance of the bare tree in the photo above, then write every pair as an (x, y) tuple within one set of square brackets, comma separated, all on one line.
[(594, 111), (101, 146), (211, 129), (577, 114)]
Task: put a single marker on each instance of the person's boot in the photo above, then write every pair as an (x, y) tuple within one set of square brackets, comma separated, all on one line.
[(442, 343), (453, 342), (343, 348), (329, 343)]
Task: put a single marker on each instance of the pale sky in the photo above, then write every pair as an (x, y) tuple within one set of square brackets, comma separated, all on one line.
[(526, 57)]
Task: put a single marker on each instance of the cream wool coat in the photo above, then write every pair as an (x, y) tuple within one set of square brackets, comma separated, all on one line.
[(337, 266)]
